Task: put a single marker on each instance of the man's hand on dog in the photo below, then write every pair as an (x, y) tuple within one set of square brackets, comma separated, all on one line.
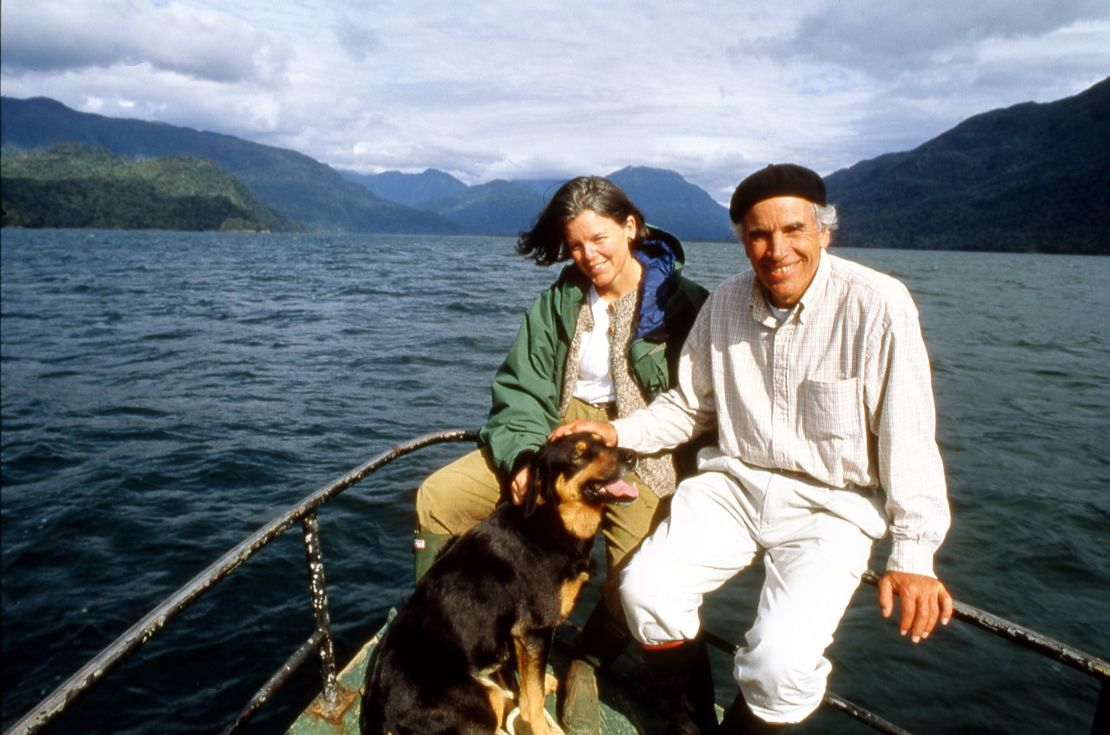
[(602, 428), (924, 602), (519, 486)]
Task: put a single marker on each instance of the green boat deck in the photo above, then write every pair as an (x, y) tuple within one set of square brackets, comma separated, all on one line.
[(626, 706)]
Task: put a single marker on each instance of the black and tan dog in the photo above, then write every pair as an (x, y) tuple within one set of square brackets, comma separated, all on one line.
[(493, 597)]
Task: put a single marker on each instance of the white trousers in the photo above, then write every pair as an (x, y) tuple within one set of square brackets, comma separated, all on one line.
[(719, 520)]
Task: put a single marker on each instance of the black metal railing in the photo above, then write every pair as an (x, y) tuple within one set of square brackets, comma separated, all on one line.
[(333, 700), (1093, 666), (139, 633)]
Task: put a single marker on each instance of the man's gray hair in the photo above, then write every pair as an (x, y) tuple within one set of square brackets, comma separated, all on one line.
[(825, 214)]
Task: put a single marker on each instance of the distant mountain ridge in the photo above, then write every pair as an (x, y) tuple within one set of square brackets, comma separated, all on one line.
[(409, 189), (1031, 177), (321, 199), (506, 207)]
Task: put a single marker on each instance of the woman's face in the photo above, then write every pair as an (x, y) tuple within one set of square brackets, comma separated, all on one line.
[(601, 248)]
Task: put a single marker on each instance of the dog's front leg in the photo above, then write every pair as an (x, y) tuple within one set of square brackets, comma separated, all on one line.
[(569, 593), (532, 650)]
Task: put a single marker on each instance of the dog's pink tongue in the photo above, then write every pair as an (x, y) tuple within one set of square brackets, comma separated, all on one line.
[(621, 489)]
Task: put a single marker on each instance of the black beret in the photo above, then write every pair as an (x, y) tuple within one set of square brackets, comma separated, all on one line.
[(777, 180)]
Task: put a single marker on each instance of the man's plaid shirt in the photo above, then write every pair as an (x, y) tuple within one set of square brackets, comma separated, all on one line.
[(840, 392)]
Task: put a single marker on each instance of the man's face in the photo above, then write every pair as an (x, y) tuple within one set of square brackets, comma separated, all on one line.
[(784, 246)]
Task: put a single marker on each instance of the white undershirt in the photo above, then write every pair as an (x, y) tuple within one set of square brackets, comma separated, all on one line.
[(780, 314), (594, 382)]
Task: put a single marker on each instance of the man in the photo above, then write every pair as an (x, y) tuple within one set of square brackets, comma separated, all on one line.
[(814, 371)]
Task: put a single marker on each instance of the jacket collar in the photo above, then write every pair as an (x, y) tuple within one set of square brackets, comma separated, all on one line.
[(662, 257)]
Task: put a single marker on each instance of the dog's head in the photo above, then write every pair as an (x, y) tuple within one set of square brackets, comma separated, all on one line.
[(579, 470)]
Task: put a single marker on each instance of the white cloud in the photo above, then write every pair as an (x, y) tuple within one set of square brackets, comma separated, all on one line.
[(71, 36), (888, 38)]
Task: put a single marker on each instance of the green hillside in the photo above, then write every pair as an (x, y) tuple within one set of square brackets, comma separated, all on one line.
[(77, 185)]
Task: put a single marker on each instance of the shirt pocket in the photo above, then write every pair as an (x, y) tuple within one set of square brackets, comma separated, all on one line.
[(831, 411)]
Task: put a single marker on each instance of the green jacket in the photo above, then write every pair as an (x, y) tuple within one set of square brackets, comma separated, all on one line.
[(525, 392)]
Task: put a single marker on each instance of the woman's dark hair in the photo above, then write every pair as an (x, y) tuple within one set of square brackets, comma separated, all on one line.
[(544, 243)]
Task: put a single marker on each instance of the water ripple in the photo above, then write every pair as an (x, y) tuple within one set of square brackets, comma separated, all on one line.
[(165, 394)]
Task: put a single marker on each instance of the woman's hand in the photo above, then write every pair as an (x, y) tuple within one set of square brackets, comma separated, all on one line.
[(519, 487), (603, 429)]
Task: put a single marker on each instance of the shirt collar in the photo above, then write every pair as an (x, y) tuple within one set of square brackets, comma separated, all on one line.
[(757, 305), (816, 291)]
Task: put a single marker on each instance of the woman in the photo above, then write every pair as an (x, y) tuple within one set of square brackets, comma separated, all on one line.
[(599, 343)]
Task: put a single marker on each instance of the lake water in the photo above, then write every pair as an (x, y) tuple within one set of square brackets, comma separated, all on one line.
[(165, 394)]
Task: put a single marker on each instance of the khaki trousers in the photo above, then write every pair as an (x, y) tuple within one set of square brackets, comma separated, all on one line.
[(456, 497)]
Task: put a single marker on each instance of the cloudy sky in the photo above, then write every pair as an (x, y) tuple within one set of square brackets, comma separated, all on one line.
[(528, 89)]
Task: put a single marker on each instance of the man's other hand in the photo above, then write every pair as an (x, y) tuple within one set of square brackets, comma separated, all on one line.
[(924, 602)]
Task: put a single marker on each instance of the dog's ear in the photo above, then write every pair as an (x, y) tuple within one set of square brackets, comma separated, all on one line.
[(542, 476), (581, 448), (526, 458)]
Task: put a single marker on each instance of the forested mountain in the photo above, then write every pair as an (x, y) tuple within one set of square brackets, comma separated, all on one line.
[(671, 202), (1032, 177), (293, 184), (495, 208), (77, 185)]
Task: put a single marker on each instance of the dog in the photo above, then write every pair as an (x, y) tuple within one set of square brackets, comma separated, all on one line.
[(492, 600)]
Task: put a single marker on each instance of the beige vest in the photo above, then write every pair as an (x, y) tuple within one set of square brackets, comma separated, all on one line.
[(656, 471)]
